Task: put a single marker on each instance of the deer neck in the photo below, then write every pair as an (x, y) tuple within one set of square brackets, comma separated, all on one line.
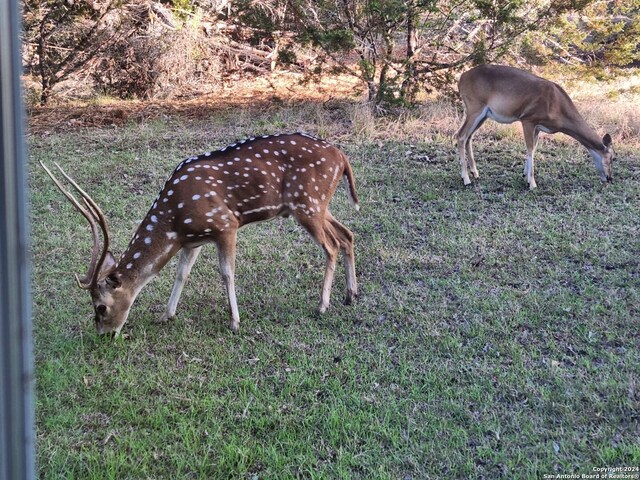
[(581, 131), (149, 250)]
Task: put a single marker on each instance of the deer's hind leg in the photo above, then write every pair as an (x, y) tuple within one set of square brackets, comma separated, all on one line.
[(324, 235), (474, 119), (471, 161), (226, 244), (345, 239)]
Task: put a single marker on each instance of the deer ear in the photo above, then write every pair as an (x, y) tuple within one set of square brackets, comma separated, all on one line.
[(108, 265), (113, 280), (606, 140)]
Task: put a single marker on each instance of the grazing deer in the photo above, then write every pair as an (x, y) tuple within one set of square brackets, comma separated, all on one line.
[(506, 95), (207, 199)]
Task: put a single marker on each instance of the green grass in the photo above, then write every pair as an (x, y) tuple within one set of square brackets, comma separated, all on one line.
[(496, 335)]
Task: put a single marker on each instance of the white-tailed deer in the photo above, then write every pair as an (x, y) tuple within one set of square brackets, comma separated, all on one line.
[(206, 200), (507, 95)]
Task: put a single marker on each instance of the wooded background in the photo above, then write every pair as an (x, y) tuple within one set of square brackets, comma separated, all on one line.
[(152, 50)]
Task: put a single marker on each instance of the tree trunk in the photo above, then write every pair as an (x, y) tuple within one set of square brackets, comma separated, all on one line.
[(410, 85), (385, 85), (45, 94)]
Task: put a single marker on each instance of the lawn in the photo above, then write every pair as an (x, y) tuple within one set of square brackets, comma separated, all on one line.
[(496, 334)]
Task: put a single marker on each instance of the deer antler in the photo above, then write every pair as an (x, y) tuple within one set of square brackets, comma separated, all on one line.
[(96, 220)]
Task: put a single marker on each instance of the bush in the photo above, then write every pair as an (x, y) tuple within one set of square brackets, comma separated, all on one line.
[(160, 60)]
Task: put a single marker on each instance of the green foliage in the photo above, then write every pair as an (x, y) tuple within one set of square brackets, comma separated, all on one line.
[(605, 33), (287, 57), (401, 45), (334, 40), (182, 8)]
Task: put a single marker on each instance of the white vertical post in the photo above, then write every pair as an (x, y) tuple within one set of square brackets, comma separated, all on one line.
[(16, 365)]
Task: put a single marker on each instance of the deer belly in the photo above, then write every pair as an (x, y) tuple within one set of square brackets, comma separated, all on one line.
[(500, 118)]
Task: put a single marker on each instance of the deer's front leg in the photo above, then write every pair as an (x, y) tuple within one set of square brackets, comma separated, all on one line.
[(187, 258), (471, 161), (531, 139), (227, 258)]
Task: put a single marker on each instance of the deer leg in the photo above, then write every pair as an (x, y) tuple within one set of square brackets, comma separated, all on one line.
[(227, 258), (465, 150), (531, 140), (471, 160), (345, 239), (321, 231), (462, 142), (187, 258)]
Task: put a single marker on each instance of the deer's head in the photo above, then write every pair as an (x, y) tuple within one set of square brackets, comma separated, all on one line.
[(111, 302), (604, 159)]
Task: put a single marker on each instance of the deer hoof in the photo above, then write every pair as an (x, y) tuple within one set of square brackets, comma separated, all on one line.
[(466, 180), (234, 326), (350, 298), (165, 318)]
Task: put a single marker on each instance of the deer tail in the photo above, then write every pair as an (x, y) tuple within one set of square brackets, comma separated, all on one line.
[(349, 184)]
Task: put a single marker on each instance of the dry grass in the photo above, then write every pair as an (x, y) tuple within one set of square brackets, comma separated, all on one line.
[(610, 105)]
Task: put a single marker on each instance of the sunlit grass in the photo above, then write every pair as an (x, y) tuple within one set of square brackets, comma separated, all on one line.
[(496, 335)]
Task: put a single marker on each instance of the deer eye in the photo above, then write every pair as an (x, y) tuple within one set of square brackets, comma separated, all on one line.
[(101, 309)]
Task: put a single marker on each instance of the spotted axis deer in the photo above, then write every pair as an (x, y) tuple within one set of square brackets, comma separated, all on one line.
[(207, 199), (506, 95)]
